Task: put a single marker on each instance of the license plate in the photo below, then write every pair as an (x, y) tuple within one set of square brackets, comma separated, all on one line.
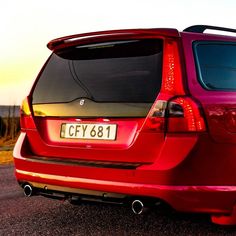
[(89, 131)]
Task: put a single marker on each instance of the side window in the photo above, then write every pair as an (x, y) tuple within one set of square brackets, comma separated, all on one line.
[(216, 65)]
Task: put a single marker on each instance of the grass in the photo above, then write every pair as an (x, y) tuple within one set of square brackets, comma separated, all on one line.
[(6, 147), (6, 157), (7, 142)]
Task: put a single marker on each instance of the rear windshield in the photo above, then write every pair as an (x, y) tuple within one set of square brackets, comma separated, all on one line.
[(216, 65), (121, 71)]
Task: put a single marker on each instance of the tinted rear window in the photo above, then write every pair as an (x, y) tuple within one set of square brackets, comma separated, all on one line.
[(121, 71), (216, 65)]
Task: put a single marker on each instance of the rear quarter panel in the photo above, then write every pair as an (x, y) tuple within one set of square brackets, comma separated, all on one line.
[(217, 153)]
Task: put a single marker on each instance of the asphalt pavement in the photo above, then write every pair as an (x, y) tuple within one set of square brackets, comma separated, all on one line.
[(41, 216)]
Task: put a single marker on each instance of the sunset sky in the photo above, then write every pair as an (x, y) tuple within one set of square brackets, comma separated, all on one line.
[(27, 26)]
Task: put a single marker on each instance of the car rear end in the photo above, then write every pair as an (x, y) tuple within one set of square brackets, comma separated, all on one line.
[(111, 117)]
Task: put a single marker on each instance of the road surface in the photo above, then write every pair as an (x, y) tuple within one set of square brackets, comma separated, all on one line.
[(41, 216)]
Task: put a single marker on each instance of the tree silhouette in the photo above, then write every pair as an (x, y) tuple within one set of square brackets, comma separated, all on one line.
[(2, 127)]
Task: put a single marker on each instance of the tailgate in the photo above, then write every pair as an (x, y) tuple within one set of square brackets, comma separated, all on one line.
[(91, 102)]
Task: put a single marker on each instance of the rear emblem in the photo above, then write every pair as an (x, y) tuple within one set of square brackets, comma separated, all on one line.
[(81, 102)]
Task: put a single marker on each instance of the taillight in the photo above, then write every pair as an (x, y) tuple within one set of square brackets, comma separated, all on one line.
[(25, 109), (184, 115), (172, 82), (173, 111), (156, 119), (26, 120)]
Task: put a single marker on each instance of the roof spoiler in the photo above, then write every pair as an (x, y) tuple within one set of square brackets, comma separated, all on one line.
[(117, 34)]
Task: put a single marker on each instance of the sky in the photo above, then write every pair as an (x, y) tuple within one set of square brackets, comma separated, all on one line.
[(27, 26)]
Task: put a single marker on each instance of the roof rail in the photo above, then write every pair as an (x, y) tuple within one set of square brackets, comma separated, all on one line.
[(202, 28)]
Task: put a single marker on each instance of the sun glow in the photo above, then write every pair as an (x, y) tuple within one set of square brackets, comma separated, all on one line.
[(27, 26)]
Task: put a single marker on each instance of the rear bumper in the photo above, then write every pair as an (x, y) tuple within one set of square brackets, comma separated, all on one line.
[(71, 178)]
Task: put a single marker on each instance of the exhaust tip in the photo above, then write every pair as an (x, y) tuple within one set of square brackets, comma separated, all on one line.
[(137, 207), (28, 190)]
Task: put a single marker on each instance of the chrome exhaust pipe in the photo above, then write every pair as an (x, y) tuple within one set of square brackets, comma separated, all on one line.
[(28, 190), (137, 207)]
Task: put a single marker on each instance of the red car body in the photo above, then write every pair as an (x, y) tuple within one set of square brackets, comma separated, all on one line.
[(181, 150)]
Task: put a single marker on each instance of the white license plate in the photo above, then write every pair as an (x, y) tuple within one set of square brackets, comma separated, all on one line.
[(89, 131)]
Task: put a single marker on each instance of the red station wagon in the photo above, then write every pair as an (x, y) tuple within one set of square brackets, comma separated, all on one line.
[(137, 116)]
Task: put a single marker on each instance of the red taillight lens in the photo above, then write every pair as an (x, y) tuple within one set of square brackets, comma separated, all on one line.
[(155, 124), (181, 114), (26, 120), (173, 111), (184, 115), (172, 83), (25, 109), (156, 119)]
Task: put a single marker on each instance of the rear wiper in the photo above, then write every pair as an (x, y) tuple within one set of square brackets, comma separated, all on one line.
[(78, 81)]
